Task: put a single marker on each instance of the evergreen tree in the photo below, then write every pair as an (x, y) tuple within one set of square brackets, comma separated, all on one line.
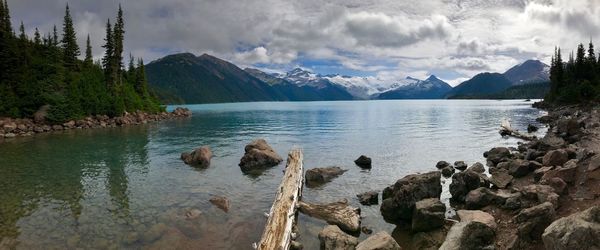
[(54, 36), (69, 42), (141, 84), (36, 37), (7, 22), (22, 35), (107, 60), (118, 36), (89, 59)]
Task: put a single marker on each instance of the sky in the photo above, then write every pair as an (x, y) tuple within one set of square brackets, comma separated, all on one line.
[(388, 39)]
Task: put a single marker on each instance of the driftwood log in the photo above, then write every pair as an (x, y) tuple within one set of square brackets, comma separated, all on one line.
[(506, 129), (278, 231), (337, 213)]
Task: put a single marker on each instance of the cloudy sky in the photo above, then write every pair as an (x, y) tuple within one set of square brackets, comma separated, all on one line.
[(453, 39)]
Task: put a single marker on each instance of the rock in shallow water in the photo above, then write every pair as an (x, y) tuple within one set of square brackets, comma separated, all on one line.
[(363, 162), (429, 214), (221, 202), (199, 157), (379, 241), (368, 198), (337, 213), (333, 238), (259, 155), (399, 199), (318, 176)]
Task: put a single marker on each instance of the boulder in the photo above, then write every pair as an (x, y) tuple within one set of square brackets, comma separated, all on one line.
[(368, 198), (539, 173), (379, 241), (558, 184), (363, 162), (429, 214), (337, 213), (469, 235), (399, 199), (442, 164), (537, 194), (221, 202), (477, 167), (199, 157), (577, 231), (448, 171), (259, 155), (567, 127), (333, 238), (477, 215), (555, 158), (9, 127), (318, 176), (594, 163), (497, 155), (460, 165), (500, 178), (567, 172), (464, 182), (519, 168), (532, 221), (532, 128)]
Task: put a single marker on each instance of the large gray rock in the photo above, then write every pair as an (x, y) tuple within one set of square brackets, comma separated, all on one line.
[(442, 164), (536, 194), (399, 199), (363, 162), (368, 198), (259, 155), (477, 167), (199, 157), (577, 231), (429, 214), (379, 241), (500, 178), (470, 235), (532, 221), (477, 215), (318, 176), (460, 165), (333, 238), (464, 182), (497, 155), (567, 173), (448, 171)]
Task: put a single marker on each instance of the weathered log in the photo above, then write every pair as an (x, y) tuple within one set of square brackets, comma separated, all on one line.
[(278, 231), (506, 129), (337, 213)]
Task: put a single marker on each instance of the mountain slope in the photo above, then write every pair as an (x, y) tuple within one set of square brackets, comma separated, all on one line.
[(301, 91), (481, 84), (309, 81), (529, 71), (207, 79), (432, 88)]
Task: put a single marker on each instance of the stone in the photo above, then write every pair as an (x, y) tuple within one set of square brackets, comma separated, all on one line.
[(10, 135), (469, 235), (259, 155), (57, 127), (519, 168), (500, 178), (221, 202), (567, 173), (318, 176), (577, 231), (368, 198), (477, 167), (333, 238), (532, 128), (429, 214), (558, 184), (540, 194), (594, 163), (366, 230), (399, 199), (555, 158), (338, 213), (464, 182), (539, 173), (477, 215), (497, 155), (532, 221), (9, 127), (460, 165), (363, 162), (193, 213), (442, 164), (379, 241), (296, 245), (199, 157), (567, 127), (154, 233), (448, 171)]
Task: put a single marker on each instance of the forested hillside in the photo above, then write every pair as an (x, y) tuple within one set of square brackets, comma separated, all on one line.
[(46, 70)]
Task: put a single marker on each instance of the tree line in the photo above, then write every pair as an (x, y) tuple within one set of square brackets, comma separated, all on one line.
[(577, 79), (46, 70)]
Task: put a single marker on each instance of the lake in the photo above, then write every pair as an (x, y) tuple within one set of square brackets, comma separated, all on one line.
[(127, 187)]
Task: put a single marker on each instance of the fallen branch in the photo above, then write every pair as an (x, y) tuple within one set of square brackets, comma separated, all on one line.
[(507, 130)]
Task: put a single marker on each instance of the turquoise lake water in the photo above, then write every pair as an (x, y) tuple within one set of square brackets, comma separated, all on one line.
[(126, 188)]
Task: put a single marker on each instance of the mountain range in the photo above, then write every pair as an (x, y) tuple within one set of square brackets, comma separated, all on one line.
[(186, 78)]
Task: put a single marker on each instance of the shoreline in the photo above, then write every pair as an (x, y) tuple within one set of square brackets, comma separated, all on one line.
[(25, 127)]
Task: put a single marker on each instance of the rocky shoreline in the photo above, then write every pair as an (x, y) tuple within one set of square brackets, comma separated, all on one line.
[(10, 127)]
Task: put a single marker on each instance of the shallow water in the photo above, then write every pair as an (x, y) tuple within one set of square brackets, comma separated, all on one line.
[(125, 187)]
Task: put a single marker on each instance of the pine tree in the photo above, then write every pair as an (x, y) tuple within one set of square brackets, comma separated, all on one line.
[(22, 35), (107, 60), (2, 18), (7, 22), (69, 42), (54, 36), (141, 84), (89, 59), (118, 36), (37, 39)]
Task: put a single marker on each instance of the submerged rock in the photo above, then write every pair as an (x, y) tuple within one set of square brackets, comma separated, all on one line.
[(318, 176), (199, 157), (379, 241), (221, 202), (363, 161), (333, 238), (259, 155), (577, 231), (399, 199), (368, 198)]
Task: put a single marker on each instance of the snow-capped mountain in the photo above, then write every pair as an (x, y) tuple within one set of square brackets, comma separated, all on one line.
[(431, 88)]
